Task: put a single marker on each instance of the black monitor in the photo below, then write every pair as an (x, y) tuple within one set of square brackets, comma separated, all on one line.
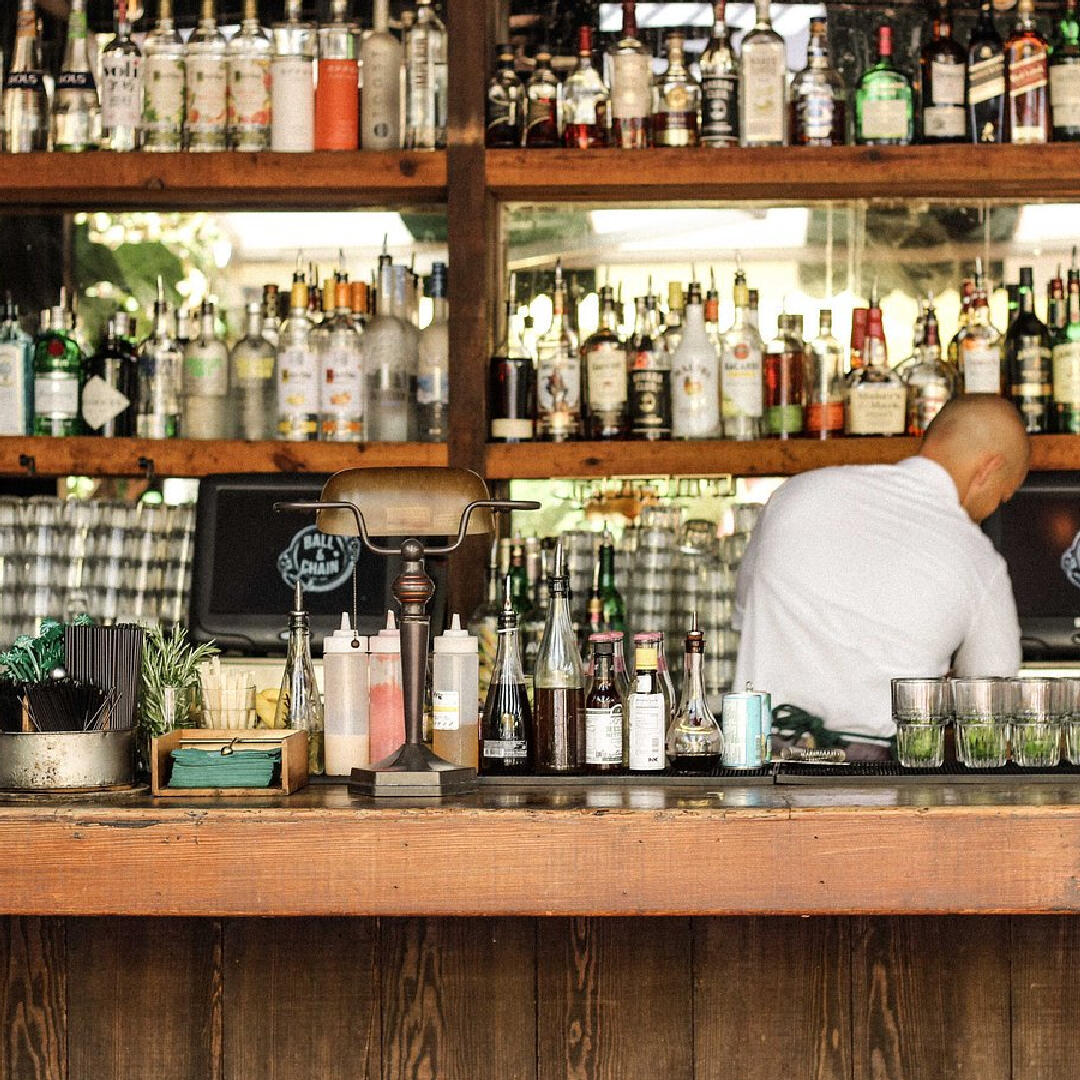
[(248, 557), (1038, 533)]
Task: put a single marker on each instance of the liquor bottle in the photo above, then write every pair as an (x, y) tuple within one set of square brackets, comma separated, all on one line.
[(206, 98), (506, 730), (648, 709), (876, 396), (694, 740), (559, 684), (110, 397), (297, 371), (182, 327), (164, 80), (931, 382), (388, 345), (511, 385), (676, 99), (883, 108), (251, 375), (719, 85), (558, 372), (26, 103), (613, 609), (161, 362), (825, 382), (292, 79), (967, 299), (121, 88), (58, 374), (76, 109), (604, 372), (505, 111), (381, 57), (534, 601), (299, 705), (542, 105), (248, 93), (341, 373), (817, 95), (985, 79), (695, 377), (1065, 77), (1055, 302), (16, 373), (1029, 375), (763, 93), (206, 381), (857, 343), (518, 578), (337, 87), (1026, 76), (980, 348), (586, 102), (673, 322), (915, 355), (1066, 361), (603, 714), (741, 371), (784, 374), (426, 102), (631, 85), (484, 622), (433, 384), (942, 63), (649, 380)]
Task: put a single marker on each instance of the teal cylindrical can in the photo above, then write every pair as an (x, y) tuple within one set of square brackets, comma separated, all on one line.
[(742, 725)]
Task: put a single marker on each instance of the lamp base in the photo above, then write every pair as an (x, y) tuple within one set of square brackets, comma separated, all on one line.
[(412, 772)]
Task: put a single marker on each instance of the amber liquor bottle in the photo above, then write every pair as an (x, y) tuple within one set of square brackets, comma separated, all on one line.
[(604, 372), (941, 83), (1026, 76)]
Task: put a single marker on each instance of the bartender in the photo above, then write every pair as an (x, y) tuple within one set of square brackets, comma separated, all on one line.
[(859, 574)]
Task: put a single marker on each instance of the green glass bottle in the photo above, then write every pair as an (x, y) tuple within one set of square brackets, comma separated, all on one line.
[(614, 610), (58, 375), (1065, 77), (883, 100), (1066, 359)]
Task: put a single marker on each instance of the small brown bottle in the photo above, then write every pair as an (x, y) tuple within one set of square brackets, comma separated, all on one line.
[(604, 715)]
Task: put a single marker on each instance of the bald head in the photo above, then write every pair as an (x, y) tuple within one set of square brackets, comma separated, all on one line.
[(980, 441)]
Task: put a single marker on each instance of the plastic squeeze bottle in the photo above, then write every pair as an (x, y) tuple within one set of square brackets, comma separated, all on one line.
[(386, 695), (345, 699), (456, 695)]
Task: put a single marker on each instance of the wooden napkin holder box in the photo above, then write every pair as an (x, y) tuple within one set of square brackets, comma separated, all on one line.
[(294, 759)]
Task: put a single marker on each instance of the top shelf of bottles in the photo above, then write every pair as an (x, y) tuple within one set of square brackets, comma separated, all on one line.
[(343, 179)]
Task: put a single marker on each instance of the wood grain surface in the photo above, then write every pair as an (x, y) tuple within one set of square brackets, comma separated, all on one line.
[(33, 999)]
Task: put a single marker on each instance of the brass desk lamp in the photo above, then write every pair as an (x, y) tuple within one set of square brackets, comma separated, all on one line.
[(422, 502)]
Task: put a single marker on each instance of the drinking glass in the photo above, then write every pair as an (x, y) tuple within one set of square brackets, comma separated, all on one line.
[(1036, 728), (1070, 690), (920, 745), (982, 707), (920, 700)]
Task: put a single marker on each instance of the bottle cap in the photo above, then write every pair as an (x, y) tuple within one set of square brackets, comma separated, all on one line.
[(603, 648), (388, 639), (457, 639), (344, 640), (645, 658)]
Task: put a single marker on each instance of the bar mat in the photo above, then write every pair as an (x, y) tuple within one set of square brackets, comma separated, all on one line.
[(890, 773), (665, 779)]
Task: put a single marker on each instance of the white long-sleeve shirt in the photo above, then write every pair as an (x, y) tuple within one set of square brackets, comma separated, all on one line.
[(859, 574)]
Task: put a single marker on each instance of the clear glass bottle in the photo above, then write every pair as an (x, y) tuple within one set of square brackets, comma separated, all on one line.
[(58, 374), (980, 348), (784, 375), (931, 382), (604, 371), (251, 375), (161, 363), (297, 371), (506, 729), (505, 116), (719, 85), (649, 379), (16, 373), (631, 85), (292, 77), (1029, 373), (387, 343), (206, 97), (695, 377), (1066, 363), (76, 108), (206, 381), (876, 396), (110, 396), (1027, 117), (511, 384), (426, 101), (380, 102), (603, 714), (559, 372), (299, 706), (825, 385), (483, 623), (883, 100), (741, 371), (342, 384), (942, 63), (985, 79), (673, 323), (121, 88), (164, 84), (26, 102), (676, 98), (818, 95), (542, 105), (337, 87), (694, 741), (586, 102), (1065, 77), (763, 93), (648, 711), (248, 96), (433, 383)]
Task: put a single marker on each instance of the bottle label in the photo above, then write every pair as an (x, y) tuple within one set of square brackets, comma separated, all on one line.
[(741, 382), (507, 428), (25, 80), (1067, 374), (342, 389), (249, 93), (650, 401), (648, 721), (1034, 367), (1065, 94), (446, 705), (502, 112), (75, 80), (101, 403), (981, 367), (541, 113), (876, 409), (506, 749), (719, 109), (695, 396), (381, 100), (944, 121), (784, 419), (163, 95), (986, 79), (292, 128), (558, 388), (763, 94), (947, 81), (884, 118), (207, 95), (337, 103), (825, 416), (254, 368), (603, 736), (56, 394), (298, 392), (1028, 74), (13, 365), (816, 115), (205, 372), (121, 90), (605, 369), (928, 401), (433, 387), (631, 85)]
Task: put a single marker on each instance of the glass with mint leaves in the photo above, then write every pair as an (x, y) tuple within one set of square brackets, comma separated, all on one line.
[(920, 708), (982, 707), (1037, 717)]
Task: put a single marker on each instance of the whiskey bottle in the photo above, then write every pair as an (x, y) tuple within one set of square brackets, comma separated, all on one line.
[(941, 83), (505, 104), (825, 382), (631, 85), (985, 79), (741, 371), (206, 98), (247, 58), (506, 730), (931, 382), (784, 373), (676, 99), (649, 375), (762, 95), (298, 371), (292, 77), (558, 372), (648, 709), (817, 95), (511, 384), (1029, 375), (542, 105), (381, 58), (1066, 362), (161, 362), (604, 371), (1055, 302), (719, 85), (967, 299), (586, 102), (251, 376), (695, 377), (26, 103), (694, 740), (426, 100), (603, 714), (1026, 77), (876, 396), (980, 348), (121, 88), (76, 109), (1065, 77), (883, 105)]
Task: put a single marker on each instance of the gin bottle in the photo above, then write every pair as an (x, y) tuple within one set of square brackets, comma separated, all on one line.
[(206, 98), (16, 373), (26, 103), (58, 375), (161, 362), (433, 384), (292, 77), (741, 371), (206, 381), (631, 85), (825, 389), (505, 103), (163, 106), (558, 370), (676, 99), (762, 96), (695, 377), (784, 375), (121, 88), (586, 101), (341, 368), (251, 376), (248, 92), (76, 110), (380, 102), (298, 371), (426, 101), (883, 105), (719, 86)]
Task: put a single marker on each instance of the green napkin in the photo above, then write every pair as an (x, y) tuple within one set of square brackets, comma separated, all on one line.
[(212, 769)]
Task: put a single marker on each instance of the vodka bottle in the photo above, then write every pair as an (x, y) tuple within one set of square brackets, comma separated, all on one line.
[(695, 377), (337, 88), (76, 110), (292, 71), (121, 88), (380, 102), (762, 93), (251, 376), (161, 360), (341, 371), (741, 371), (206, 99), (406, 306), (163, 103), (433, 384), (298, 371), (16, 373), (206, 381), (426, 101), (386, 345), (26, 103), (248, 88)]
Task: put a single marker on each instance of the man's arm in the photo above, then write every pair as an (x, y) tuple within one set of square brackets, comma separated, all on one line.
[(746, 572), (991, 645)]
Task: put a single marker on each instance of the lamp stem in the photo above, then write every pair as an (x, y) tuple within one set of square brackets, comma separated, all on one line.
[(413, 590)]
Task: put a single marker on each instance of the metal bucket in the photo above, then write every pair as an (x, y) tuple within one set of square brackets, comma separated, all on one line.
[(63, 760)]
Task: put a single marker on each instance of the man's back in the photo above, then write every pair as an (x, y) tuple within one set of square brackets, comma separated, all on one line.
[(856, 575)]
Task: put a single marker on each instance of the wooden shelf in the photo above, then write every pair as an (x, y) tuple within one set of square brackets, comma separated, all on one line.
[(968, 173), (91, 456), (769, 457), (97, 180)]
